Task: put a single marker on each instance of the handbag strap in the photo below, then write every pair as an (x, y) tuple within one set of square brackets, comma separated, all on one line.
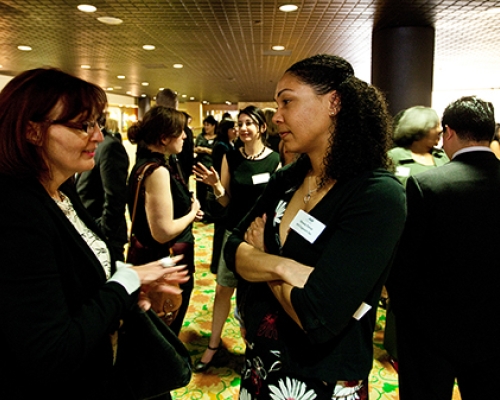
[(142, 171)]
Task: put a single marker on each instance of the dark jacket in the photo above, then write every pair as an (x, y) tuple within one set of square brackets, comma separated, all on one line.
[(446, 276), (55, 306), (103, 189)]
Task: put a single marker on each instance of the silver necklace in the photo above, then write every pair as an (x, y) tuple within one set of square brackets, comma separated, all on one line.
[(310, 191), (253, 156)]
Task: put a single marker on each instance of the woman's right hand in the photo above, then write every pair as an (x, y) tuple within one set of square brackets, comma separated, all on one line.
[(153, 271), (155, 277), (205, 175)]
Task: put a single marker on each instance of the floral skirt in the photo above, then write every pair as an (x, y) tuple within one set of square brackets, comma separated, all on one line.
[(263, 377)]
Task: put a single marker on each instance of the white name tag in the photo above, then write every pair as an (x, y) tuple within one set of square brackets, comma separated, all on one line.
[(402, 171), (307, 226), (261, 178), (362, 310)]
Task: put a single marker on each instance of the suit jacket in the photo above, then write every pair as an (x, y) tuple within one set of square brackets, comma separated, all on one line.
[(103, 189), (55, 306), (446, 277)]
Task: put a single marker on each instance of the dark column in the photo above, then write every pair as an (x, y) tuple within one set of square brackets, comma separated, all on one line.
[(144, 104), (402, 65)]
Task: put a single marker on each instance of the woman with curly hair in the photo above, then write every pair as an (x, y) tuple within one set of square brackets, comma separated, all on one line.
[(314, 252)]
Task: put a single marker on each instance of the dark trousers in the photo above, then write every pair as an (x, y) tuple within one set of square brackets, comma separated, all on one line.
[(187, 249), (427, 369)]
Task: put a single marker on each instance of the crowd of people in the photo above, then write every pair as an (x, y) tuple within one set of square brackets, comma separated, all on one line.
[(319, 206)]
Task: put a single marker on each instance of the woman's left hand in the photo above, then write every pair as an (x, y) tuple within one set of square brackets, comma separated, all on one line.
[(254, 235)]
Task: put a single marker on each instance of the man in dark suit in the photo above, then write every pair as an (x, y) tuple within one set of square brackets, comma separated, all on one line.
[(445, 282), (103, 191)]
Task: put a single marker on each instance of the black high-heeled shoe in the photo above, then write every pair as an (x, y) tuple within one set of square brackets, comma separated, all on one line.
[(201, 366)]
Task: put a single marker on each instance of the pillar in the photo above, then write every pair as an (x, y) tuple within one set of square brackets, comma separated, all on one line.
[(144, 104), (402, 65)]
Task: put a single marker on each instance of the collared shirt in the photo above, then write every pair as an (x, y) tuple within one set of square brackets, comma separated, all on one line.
[(471, 148)]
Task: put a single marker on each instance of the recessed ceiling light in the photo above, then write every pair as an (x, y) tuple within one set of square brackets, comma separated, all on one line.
[(278, 48), (110, 20), (129, 92), (110, 89), (1, 66), (148, 47), (191, 98), (493, 10), (178, 66), (24, 48), (117, 87), (143, 95), (184, 95), (145, 83), (87, 8), (85, 66), (121, 76), (288, 7)]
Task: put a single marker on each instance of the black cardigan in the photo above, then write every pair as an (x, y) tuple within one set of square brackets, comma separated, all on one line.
[(364, 218)]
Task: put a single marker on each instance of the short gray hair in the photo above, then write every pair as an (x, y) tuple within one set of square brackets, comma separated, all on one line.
[(414, 124)]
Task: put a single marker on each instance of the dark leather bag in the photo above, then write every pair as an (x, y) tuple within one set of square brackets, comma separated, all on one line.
[(151, 360), (166, 305)]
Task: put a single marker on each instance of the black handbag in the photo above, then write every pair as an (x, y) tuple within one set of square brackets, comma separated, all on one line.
[(151, 360)]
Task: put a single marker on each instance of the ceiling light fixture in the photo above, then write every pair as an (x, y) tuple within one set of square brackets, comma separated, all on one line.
[(191, 98), (87, 8), (178, 66), (24, 48), (493, 10), (85, 66), (278, 48), (121, 76), (145, 83), (288, 7), (148, 47), (110, 20)]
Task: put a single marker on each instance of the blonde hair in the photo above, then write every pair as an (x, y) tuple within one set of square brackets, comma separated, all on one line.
[(111, 125)]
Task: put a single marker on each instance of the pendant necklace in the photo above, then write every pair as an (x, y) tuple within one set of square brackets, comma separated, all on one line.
[(310, 191), (253, 156)]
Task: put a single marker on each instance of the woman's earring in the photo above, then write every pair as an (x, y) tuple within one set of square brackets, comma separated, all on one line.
[(333, 112)]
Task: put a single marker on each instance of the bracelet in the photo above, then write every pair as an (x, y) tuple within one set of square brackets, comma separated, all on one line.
[(220, 195)]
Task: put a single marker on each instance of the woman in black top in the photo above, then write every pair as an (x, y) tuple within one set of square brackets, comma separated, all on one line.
[(203, 148), (245, 173), (62, 295), (165, 209), (314, 251), (226, 135)]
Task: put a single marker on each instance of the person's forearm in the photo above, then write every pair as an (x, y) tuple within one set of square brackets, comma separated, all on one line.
[(282, 291)]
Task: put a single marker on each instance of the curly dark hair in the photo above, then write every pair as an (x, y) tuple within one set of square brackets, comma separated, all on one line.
[(362, 129)]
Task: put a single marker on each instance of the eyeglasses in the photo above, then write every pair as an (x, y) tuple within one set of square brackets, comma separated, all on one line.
[(87, 126)]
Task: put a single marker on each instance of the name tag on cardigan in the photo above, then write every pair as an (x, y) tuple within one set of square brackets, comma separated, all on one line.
[(307, 226), (402, 171), (261, 178), (362, 310)]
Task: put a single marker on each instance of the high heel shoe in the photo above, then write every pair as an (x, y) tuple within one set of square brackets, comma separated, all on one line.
[(201, 366)]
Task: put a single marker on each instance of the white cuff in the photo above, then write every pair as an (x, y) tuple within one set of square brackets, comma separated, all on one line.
[(126, 277)]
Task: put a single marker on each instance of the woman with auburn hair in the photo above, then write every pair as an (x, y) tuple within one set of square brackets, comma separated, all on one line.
[(165, 209), (314, 251), (62, 296)]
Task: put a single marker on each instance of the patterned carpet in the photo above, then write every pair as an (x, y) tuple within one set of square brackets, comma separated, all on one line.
[(223, 383)]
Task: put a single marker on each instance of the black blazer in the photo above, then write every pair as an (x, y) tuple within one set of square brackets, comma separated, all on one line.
[(103, 189), (55, 306), (446, 277)]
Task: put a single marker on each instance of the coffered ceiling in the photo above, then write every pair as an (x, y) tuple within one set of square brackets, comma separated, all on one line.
[(225, 46)]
